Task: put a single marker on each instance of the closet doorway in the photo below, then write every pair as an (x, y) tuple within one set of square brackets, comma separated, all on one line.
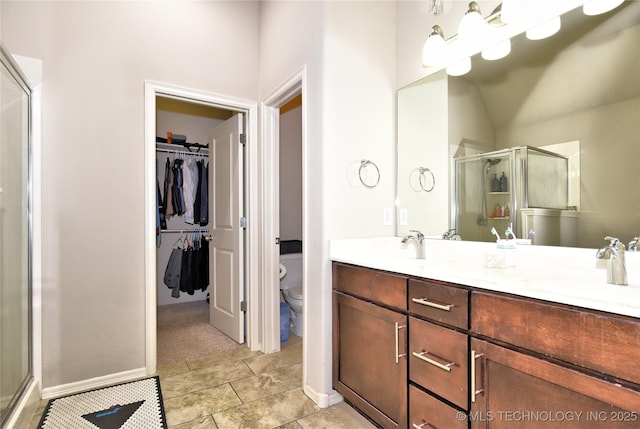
[(200, 244), (203, 312)]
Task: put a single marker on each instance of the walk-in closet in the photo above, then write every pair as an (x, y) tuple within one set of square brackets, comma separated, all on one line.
[(184, 331)]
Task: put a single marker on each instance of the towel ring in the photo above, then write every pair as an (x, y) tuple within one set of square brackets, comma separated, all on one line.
[(422, 179), (363, 165)]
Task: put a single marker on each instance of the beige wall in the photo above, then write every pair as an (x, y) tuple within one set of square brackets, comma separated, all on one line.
[(96, 56), (349, 51)]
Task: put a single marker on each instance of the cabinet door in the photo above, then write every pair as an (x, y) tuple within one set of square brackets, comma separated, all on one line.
[(511, 389), (369, 359)]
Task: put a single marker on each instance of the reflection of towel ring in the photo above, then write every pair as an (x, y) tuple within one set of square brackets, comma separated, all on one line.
[(422, 178), (363, 165)]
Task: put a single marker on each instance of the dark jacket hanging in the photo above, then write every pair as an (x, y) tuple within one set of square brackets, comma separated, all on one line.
[(203, 186), (177, 188), (186, 274)]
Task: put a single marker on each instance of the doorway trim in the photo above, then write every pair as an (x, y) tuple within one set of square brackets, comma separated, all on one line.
[(253, 294), (270, 136)]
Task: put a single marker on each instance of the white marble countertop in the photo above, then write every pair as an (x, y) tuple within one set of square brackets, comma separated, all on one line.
[(563, 275)]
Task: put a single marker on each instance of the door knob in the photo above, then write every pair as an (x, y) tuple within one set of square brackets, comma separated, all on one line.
[(208, 237)]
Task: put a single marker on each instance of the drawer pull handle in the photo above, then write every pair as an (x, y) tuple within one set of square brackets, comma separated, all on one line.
[(425, 301), (474, 392), (398, 355), (422, 425), (421, 356)]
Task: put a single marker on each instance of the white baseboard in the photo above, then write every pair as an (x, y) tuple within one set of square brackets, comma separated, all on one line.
[(323, 400), (92, 383)]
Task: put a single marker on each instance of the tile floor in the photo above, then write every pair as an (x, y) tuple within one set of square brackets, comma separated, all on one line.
[(244, 389)]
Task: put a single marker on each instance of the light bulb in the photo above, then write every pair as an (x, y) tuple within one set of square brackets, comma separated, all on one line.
[(597, 7), (514, 11), (460, 68), (472, 25), (497, 51), (544, 30), (435, 48)]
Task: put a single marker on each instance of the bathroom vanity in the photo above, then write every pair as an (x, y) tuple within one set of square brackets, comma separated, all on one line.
[(411, 351)]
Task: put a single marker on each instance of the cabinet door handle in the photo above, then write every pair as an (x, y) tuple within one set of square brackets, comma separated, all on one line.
[(422, 425), (444, 366), (397, 332), (474, 392), (425, 301)]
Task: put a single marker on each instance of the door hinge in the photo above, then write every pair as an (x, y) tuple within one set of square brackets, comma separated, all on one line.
[(243, 306), (243, 139), (243, 222)]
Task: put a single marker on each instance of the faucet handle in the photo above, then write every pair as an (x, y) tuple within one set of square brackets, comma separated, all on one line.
[(614, 240), (615, 243), (419, 235)]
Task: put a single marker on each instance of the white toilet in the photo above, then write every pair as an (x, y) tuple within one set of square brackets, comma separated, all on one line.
[(293, 297), (291, 287)]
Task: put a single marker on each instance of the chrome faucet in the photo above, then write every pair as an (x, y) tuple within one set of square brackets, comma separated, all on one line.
[(418, 240), (451, 235), (616, 268), (633, 245)]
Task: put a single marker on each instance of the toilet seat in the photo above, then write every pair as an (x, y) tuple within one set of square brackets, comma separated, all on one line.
[(295, 292)]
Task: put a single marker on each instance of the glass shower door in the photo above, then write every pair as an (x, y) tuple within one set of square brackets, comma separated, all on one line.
[(15, 282), (484, 191)]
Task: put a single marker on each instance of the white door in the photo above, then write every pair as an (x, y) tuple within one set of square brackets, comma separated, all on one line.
[(226, 248)]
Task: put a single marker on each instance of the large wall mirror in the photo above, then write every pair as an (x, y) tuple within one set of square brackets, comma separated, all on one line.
[(575, 94)]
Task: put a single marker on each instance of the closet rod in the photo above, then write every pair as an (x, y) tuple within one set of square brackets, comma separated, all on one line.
[(201, 230), (182, 152)]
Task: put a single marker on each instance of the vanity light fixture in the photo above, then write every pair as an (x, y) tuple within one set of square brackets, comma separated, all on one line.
[(497, 51), (472, 25), (544, 30), (460, 68), (514, 11), (434, 52), (597, 7)]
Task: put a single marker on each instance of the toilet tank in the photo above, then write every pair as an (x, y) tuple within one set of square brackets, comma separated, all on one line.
[(293, 264)]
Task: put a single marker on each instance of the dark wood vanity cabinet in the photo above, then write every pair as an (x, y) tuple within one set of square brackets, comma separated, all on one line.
[(414, 353), (548, 365), (438, 354), (513, 389), (370, 343)]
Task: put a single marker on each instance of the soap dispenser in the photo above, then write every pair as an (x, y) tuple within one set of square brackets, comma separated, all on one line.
[(495, 184), (504, 185)]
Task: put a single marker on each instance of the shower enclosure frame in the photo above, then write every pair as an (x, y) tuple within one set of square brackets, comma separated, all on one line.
[(10, 411), (518, 168)]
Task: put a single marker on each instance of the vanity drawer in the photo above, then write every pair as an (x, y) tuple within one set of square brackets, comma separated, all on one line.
[(438, 360), (371, 285), (440, 302), (425, 411), (604, 342)]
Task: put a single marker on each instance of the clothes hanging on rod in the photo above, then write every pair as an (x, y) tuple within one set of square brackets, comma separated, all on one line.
[(178, 187), (186, 191), (190, 172), (201, 206), (159, 216), (188, 266)]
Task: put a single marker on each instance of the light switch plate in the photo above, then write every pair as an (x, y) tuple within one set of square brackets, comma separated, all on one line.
[(388, 218), (403, 217)]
